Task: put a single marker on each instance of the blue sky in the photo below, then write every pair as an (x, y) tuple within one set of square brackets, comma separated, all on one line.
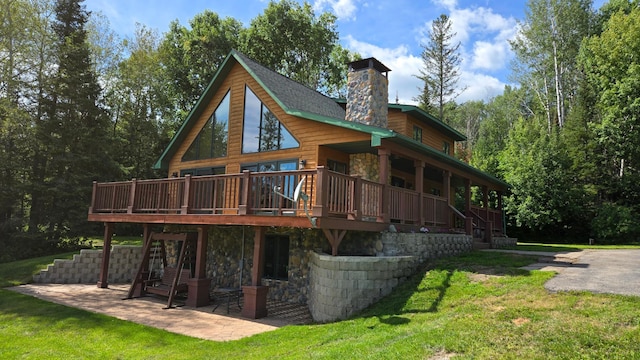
[(391, 31)]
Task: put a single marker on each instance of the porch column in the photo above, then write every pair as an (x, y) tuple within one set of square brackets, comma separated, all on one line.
[(446, 186), (255, 296), (467, 207), (198, 286), (503, 227), (419, 181), (383, 159), (106, 254), (488, 228)]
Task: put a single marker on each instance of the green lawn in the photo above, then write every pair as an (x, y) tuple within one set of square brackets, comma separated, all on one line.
[(477, 306)]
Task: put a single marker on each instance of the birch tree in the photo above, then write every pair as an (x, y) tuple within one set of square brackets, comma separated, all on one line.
[(546, 49)]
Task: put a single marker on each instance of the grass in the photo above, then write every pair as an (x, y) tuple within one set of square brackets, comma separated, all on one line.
[(477, 306), (21, 272), (98, 241)]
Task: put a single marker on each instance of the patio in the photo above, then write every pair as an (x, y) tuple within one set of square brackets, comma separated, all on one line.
[(198, 322)]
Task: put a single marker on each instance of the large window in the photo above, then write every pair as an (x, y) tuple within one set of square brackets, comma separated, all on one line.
[(211, 142), (276, 256), (262, 131)]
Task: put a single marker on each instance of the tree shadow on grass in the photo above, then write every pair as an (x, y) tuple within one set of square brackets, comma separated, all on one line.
[(425, 291)]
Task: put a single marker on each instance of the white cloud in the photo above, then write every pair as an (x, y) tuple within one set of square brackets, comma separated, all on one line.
[(479, 87), (489, 56), (343, 9)]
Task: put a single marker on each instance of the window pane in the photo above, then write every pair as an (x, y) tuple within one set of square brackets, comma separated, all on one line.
[(251, 128), (287, 141), (269, 135), (211, 141), (220, 128)]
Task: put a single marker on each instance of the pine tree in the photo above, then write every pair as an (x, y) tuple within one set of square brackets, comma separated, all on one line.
[(74, 131), (441, 67)]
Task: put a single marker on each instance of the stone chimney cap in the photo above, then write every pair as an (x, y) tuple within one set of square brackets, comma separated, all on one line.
[(369, 63)]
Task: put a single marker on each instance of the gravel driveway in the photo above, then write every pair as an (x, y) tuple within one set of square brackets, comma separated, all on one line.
[(601, 271)]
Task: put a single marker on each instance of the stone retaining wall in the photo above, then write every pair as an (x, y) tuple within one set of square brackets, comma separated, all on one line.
[(343, 285), (84, 268)]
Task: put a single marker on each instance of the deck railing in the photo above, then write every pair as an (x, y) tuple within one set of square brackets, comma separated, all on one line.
[(483, 215), (329, 194)]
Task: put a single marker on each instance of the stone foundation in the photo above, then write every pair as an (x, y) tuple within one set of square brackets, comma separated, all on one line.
[(84, 268)]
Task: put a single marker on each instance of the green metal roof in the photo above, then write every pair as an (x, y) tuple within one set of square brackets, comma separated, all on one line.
[(301, 101)]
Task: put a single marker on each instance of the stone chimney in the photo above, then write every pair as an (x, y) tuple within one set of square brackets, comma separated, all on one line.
[(368, 92)]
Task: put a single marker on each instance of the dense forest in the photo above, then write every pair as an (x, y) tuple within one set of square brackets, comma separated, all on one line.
[(78, 103)]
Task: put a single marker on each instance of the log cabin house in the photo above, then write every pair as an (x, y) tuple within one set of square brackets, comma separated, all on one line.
[(264, 157)]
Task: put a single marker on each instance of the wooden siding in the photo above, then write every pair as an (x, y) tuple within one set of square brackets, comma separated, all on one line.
[(403, 124), (310, 134)]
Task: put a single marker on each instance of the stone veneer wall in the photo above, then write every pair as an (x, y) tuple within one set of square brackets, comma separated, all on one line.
[(367, 97), (424, 246), (343, 285), (503, 242), (365, 165), (84, 268)]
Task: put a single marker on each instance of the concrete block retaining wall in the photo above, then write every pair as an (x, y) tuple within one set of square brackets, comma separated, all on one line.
[(340, 286), (84, 268), (503, 242), (344, 285)]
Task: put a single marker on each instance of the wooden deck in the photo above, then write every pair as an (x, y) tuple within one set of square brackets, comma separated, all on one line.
[(335, 201)]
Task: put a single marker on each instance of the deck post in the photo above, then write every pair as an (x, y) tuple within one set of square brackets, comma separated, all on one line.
[(132, 196), (322, 190), (198, 286), (243, 207), (356, 213), (106, 254), (255, 296), (419, 181), (187, 195), (93, 197)]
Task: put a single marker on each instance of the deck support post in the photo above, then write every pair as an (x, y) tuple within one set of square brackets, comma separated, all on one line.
[(106, 254), (335, 238), (198, 286), (255, 296)]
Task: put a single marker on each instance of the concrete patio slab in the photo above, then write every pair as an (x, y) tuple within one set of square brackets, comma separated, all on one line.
[(196, 322)]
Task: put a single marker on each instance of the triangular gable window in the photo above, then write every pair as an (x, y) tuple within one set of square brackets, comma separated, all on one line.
[(262, 130), (211, 142)]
